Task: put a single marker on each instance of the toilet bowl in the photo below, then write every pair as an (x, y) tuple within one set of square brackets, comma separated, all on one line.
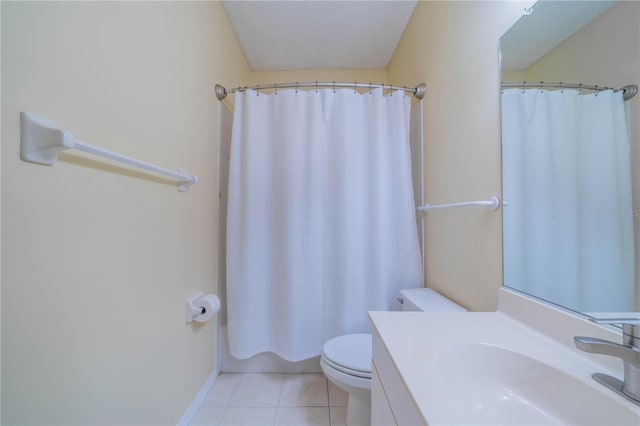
[(346, 359)]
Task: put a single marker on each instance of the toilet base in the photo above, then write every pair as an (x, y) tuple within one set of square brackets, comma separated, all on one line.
[(359, 409), (359, 391)]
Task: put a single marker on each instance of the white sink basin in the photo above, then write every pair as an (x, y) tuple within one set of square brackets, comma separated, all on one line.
[(494, 385), (516, 366)]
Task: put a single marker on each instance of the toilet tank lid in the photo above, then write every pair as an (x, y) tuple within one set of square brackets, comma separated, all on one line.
[(429, 300)]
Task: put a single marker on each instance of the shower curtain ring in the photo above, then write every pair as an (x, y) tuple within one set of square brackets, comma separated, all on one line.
[(355, 85), (316, 86), (276, 85), (370, 88), (297, 85), (334, 87), (257, 90)]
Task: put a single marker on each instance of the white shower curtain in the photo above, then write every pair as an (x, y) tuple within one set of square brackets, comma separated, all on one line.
[(568, 225), (321, 219)]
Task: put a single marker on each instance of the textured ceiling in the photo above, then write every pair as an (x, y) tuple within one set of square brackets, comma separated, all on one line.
[(279, 35)]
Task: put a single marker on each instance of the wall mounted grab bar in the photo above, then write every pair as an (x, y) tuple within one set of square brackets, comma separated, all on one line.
[(41, 142), (493, 203)]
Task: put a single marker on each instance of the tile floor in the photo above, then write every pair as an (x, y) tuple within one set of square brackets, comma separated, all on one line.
[(257, 399)]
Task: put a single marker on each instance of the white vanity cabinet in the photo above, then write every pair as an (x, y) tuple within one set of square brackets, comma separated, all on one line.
[(381, 414), (391, 402)]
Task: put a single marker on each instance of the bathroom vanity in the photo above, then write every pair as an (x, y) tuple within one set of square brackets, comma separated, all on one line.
[(518, 365)]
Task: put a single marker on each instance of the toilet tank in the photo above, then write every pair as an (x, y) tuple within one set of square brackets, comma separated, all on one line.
[(425, 299)]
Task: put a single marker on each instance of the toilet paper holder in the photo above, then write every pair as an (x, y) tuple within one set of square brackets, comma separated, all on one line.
[(192, 308)]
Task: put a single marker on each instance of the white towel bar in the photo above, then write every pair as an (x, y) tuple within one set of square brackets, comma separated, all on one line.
[(492, 203), (41, 142)]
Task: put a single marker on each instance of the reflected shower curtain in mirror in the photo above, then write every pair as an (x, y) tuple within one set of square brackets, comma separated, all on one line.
[(321, 218), (568, 227)]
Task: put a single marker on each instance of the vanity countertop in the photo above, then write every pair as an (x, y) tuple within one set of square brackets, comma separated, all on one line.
[(443, 359)]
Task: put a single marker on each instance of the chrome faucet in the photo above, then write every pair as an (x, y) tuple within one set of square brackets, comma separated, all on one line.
[(628, 351)]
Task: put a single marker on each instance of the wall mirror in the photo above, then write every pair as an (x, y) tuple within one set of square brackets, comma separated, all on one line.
[(571, 155)]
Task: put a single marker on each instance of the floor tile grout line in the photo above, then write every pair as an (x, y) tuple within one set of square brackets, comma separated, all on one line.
[(222, 416), (305, 404), (233, 391), (275, 419), (281, 390), (241, 377), (328, 398), (329, 402)]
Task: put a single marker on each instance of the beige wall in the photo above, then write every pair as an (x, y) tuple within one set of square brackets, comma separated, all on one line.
[(512, 76), (378, 75), (97, 260), (605, 52), (453, 48)]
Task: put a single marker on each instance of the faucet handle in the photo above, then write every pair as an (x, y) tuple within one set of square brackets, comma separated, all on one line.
[(630, 326)]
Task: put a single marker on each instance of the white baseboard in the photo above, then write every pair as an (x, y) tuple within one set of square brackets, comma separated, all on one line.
[(197, 402)]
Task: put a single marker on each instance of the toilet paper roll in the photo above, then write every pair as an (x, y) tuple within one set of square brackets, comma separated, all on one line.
[(211, 305)]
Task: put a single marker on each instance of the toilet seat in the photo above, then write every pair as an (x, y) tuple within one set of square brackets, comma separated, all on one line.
[(350, 354), (346, 360)]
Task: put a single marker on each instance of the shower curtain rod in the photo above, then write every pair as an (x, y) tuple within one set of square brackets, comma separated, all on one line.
[(628, 91), (418, 91)]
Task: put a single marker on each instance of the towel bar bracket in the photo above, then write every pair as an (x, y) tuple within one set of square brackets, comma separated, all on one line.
[(183, 185)]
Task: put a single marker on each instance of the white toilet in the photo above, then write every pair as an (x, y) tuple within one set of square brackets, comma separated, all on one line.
[(346, 360)]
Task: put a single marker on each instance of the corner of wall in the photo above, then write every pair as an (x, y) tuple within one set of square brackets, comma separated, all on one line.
[(452, 47)]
